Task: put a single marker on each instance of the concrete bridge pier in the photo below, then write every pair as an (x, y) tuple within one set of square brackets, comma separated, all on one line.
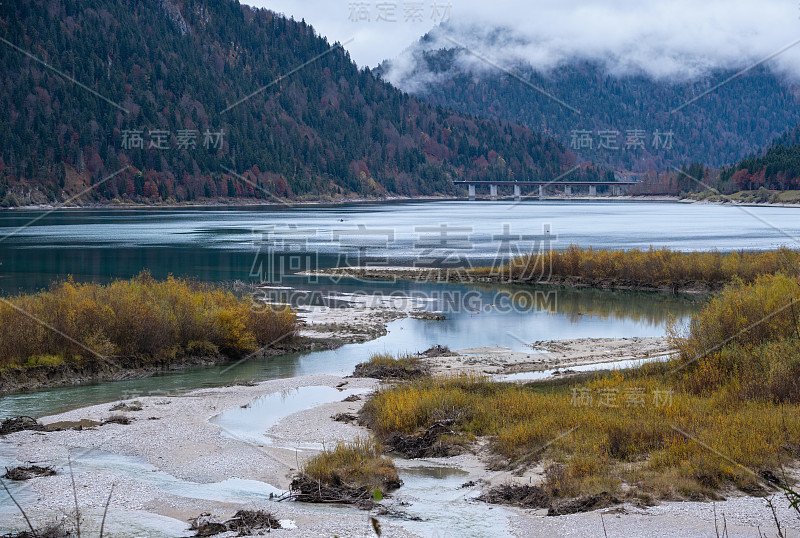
[(471, 191), (493, 191), (592, 190), (541, 192), (567, 190), (517, 193)]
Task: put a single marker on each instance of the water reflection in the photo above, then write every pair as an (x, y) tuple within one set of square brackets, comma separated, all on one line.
[(573, 314), (645, 307), (251, 422)]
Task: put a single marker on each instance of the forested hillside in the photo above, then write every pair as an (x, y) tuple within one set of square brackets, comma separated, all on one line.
[(778, 169), (623, 121), (208, 99)]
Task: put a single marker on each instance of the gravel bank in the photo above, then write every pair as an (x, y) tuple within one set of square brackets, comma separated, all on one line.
[(173, 462)]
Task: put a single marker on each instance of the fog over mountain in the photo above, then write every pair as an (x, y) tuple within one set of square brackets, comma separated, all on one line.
[(722, 79), (683, 38), (679, 41)]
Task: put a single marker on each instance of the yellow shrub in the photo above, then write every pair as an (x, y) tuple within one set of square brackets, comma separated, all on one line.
[(140, 317)]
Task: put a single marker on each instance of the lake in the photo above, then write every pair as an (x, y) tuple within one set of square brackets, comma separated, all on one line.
[(253, 244), (225, 244), (222, 244)]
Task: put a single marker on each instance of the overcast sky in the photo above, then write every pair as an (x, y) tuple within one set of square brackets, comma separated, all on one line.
[(380, 32), (666, 38)]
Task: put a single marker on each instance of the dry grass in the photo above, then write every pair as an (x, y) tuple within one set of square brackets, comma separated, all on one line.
[(141, 317), (353, 465), (670, 429), (652, 267), (629, 439), (745, 343), (720, 413)]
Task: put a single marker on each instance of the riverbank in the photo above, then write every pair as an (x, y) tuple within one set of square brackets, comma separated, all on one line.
[(96, 369), (219, 450), (464, 276), (762, 196), (313, 202), (180, 456), (744, 198), (544, 355), (76, 332), (356, 319), (660, 270), (204, 467), (234, 203)]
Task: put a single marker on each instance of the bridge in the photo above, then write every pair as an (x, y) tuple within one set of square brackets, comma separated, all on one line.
[(616, 186)]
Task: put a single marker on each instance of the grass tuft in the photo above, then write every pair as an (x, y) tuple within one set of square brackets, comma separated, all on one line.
[(652, 267), (349, 472), (599, 447), (745, 343), (386, 366)]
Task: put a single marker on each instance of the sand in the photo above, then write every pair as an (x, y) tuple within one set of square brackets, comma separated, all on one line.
[(184, 443), (173, 461), (548, 355)]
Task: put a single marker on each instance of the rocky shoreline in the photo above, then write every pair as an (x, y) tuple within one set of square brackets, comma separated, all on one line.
[(175, 459), (33, 206)]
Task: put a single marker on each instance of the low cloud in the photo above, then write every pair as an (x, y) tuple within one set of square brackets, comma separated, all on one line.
[(679, 39)]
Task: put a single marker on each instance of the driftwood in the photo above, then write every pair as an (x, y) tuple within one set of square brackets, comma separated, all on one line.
[(26, 472), (587, 503), (528, 496), (418, 446), (524, 496), (18, 424), (245, 522), (306, 489), (404, 369), (118, 419), (50, 531), (436, 351), (135, 405)]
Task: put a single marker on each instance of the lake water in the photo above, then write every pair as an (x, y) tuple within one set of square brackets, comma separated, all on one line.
[(242, 244), (224, 244), (567, 314)]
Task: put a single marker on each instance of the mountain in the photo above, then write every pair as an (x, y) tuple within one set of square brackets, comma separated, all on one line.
[(210, 98), (577, 100)]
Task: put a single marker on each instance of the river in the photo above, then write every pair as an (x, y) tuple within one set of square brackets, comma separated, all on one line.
[(250, 244)]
